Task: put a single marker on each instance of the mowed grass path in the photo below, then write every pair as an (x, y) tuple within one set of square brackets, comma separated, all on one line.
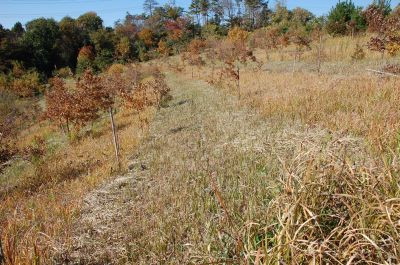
[(166, 210), (200, 186)]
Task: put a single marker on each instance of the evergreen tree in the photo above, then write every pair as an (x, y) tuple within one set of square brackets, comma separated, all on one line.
[(195, 9), (149, 6), (345, 16)]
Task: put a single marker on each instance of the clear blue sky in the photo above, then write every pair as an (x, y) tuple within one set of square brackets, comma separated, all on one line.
[(12, 11)]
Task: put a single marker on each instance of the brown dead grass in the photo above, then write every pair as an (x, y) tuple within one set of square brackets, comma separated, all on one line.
[(42, 195), (338, 193), (48, 198)]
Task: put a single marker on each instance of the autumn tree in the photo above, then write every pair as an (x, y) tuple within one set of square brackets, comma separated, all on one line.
[(234, 52), (147, 36), (386, 29), (266, 39), (127, 27), (301, 39), (91, 98), (117, 88), (193, 54), (123, 49), (146, 94), (163, 48), (60, 105), (85, 59)]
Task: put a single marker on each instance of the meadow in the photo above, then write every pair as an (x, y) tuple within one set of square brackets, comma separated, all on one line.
[(236, 149)]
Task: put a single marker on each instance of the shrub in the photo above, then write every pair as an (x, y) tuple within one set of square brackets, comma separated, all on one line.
[(359, 53), (6, 153), (4, 84), (387, 31), (392, 68), (146, 35), (65, 72), (27, 85), (116, 69), (163, 48)]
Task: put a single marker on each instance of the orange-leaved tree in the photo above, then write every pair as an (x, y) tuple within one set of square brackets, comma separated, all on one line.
[(234, 52), (60, 104), (193, 54), (386, 28), (146, 94), (85, 59)]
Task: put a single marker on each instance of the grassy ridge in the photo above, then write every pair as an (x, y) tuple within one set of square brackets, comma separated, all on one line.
[(338, 173)]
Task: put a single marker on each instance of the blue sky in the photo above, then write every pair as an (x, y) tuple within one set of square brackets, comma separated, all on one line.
[(12, 11)]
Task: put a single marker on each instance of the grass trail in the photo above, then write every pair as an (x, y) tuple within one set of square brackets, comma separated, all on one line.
[(200, 186), (167, 203)]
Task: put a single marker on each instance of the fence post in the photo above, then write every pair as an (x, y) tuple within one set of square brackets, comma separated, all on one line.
[(115, 137)]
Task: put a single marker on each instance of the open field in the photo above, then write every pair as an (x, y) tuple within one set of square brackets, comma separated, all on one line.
[(294, 162), (218, 182)]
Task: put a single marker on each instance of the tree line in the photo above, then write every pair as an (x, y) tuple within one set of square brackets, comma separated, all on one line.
[(71, 45)]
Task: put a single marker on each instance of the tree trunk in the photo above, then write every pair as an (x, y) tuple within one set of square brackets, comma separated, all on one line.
[(115, 137), (294, 63)]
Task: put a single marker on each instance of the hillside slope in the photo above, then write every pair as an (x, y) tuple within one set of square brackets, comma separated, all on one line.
[(203, 187)]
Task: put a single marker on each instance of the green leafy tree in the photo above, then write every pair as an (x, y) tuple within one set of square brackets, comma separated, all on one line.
[(88, 23), (18, 30), (70, 42), (41, 39), (104, 44)]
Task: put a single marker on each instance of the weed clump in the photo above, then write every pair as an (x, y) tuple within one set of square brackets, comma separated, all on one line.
[(359, 53), (392, 68)]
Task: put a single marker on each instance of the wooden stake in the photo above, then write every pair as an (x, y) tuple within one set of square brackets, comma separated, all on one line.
[(319, 53), (115, 137), (238, 81)]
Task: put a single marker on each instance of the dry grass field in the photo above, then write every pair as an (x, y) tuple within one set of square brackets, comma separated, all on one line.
[(338, 182), (303, 168), (42, 196)]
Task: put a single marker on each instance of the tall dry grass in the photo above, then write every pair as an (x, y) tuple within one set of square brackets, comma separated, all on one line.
[(47, 198), (338, 194), (42, 192)]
